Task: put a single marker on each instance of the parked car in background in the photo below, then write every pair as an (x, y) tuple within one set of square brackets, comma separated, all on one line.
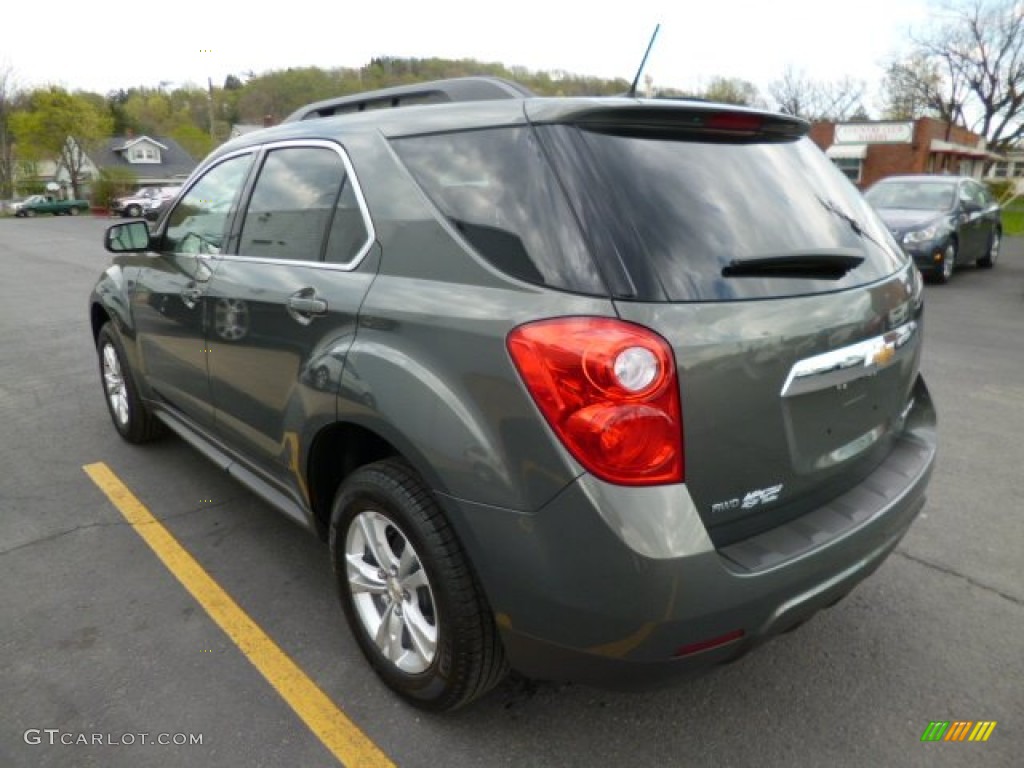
[(137, 204), (598, 389), (158, 205), (942, 221), (35, 205)]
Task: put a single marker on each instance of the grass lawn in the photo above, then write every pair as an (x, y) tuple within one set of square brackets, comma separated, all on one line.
[(1013, 218)]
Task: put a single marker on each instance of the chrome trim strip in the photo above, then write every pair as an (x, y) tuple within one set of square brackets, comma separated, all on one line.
[(841, 366)]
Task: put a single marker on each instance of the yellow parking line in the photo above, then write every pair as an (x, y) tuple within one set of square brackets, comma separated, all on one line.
[(339, 734)]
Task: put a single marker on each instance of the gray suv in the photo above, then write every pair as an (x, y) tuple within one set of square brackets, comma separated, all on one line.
[(604, 390)]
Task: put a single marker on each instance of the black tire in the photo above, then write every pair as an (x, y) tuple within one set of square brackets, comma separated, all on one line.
[(438, 593), (948, 264), (133, 211), (74, 211), (131, 418), (30, 213), (992, 254)]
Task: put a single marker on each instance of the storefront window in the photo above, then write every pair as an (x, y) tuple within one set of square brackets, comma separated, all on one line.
[(850, 166)]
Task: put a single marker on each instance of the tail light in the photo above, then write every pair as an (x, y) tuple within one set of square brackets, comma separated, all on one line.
[(609, 391)]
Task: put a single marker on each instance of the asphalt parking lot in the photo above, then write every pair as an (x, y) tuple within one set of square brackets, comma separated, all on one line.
[(99, 639)]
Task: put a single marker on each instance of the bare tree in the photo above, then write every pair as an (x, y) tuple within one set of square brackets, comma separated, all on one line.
[(967, 68), (797, 94), (8, 95)]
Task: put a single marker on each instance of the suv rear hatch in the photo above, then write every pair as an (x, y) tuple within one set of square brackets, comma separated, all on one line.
[(793, 315), (795, 319)]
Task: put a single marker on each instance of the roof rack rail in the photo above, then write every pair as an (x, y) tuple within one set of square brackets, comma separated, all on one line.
[(432, 92)]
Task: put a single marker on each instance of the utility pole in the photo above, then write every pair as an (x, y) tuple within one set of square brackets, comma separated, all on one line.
[(209, 83)]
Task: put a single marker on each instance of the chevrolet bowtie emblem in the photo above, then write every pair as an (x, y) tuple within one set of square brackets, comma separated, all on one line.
[(883, 355)]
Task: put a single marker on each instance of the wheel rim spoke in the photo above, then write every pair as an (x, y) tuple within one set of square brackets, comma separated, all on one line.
[(389, 634), (422, 634), (374, 530), (413, 581), (408, 562)]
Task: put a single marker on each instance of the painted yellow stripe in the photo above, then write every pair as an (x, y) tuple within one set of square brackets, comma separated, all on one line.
[(983, 730), (339, 734)]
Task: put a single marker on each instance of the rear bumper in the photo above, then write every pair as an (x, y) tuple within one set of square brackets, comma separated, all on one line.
[(574, 599)]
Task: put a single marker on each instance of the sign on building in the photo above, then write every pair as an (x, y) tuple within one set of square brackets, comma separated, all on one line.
[(874, 133)]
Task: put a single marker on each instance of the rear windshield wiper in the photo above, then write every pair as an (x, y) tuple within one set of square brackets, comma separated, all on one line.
[(818, 265), (855, 225)]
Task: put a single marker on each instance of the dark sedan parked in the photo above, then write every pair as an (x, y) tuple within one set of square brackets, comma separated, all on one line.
[(942, 222)]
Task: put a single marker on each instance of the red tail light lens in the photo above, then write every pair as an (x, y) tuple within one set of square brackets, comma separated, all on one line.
[(609, 390), (733, 121)]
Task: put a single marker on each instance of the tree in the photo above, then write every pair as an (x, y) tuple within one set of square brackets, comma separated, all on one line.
[(837, 100), (913, 88), (732, 90), (62, 127), (280, 93), (113, 183), (967, 68), (8, 96)]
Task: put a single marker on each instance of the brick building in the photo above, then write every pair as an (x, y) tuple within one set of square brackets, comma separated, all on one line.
[(869, 151)]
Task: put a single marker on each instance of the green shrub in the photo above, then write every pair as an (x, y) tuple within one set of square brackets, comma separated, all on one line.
[(1001, 189), (112, 183)]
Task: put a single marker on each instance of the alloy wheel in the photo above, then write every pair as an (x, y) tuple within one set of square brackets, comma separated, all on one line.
[(114, 385), (391, 592), (948, 262)]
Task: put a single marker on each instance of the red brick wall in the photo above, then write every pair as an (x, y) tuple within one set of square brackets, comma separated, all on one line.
[(823, 134), (894, 159)]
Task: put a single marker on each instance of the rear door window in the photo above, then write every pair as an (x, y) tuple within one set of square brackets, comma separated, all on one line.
[(293, 204)]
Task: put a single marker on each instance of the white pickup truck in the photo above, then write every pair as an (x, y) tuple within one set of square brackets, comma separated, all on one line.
[(136, 205)]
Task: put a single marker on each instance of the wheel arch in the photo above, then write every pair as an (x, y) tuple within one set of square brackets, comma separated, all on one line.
[(98, 317), (109, 302), (342, 447)]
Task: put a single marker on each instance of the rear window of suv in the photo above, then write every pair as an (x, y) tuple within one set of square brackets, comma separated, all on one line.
[(651, 215), (676, 211)]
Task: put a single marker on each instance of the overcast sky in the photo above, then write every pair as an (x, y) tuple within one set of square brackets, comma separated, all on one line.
[(105, 46)]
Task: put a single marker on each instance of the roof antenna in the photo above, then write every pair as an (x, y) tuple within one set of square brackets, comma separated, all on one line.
[(632, 88)]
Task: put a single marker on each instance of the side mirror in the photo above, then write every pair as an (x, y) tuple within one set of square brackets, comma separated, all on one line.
[(969, 206), (130, 237)]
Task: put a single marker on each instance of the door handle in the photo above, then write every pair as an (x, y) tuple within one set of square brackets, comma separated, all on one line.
[(304, 305)]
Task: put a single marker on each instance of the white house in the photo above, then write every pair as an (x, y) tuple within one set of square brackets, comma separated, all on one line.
[(154, 160), (1011, 168)]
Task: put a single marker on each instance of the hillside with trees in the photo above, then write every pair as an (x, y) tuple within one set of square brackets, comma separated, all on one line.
[(966, 68)]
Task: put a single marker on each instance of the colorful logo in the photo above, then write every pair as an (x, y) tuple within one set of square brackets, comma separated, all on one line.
[(958, 730)]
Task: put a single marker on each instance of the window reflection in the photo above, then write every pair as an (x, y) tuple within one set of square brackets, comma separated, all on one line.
[(197, 223), (497, 190), (292, 203)]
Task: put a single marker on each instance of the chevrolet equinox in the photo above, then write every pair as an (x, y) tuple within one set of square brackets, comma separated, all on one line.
[(597, 389)]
